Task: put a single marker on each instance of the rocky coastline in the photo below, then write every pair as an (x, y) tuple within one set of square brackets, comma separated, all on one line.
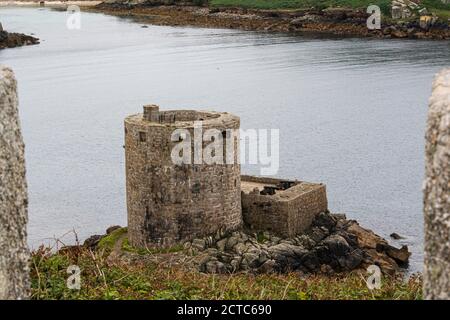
[(334, 21), (12, 40), (341, 22), (333, 245)]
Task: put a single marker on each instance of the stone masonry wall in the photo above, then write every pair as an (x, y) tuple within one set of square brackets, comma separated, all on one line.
[(14, 277), (168, 203), (287, 213), (437, 191)]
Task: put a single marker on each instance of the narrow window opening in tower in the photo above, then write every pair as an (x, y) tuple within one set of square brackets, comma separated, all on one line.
[(142, 137), (224, 143), (196, 188)]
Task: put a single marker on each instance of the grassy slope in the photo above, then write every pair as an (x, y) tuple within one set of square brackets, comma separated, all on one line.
[(289, 4), (443, 10), (436, 6), (103, 280)]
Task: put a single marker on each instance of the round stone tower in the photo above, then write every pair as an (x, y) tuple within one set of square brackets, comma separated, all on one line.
[(174, 191)]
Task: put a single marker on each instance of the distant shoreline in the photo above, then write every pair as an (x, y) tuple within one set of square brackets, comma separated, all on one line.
[(28, 3), (332, 21), (345, 22)]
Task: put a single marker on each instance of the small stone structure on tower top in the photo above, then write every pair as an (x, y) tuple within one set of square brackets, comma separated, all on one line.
[(170, 203)]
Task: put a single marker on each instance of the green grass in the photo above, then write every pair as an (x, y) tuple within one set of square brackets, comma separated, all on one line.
[(101, 279), (107, 243), (260, 237), (443, 14), (442, 10), (436, 6), (142, 251), (298, 4)]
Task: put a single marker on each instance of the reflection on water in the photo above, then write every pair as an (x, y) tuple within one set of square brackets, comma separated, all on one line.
[(351, 112)]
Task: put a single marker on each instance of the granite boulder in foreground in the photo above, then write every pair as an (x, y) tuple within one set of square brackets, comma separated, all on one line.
[(14, 255), (437, 191)]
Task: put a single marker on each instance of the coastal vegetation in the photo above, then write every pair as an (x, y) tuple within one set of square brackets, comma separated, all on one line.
[(434, 6), (299, 4), (334, 17), (110, 268), (103, 279)]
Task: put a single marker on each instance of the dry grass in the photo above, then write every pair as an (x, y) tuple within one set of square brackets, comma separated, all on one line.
[(102, 280)]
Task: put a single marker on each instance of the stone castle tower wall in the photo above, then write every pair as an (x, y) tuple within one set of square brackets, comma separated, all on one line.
[(169, 203)]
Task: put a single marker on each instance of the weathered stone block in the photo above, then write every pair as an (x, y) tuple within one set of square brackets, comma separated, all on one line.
[(14, 255), (437, 191)]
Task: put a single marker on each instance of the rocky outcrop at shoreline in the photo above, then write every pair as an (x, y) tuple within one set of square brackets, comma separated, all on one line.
[(332, 245), (337, 21), (12, 40)]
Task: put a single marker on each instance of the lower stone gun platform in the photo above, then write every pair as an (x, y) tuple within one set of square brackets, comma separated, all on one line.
[(284, 207)]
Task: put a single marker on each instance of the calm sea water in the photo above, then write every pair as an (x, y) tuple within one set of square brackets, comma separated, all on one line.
[(351, 112)]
